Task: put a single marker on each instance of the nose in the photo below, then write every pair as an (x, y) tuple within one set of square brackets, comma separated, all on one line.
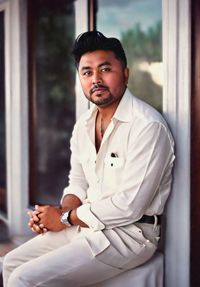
[(96, 78)]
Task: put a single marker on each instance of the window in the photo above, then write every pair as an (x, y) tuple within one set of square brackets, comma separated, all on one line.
[(138, 25), (3, 201), (51, 33)]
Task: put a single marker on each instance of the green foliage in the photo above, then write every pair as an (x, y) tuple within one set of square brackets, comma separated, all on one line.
[(144, 46)]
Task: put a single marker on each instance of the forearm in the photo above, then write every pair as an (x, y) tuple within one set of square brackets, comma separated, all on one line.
[(70, 202)]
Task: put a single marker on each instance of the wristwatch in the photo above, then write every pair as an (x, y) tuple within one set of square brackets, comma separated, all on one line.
[(65, 218)]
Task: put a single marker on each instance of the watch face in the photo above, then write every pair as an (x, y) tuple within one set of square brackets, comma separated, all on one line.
[(64, 218)]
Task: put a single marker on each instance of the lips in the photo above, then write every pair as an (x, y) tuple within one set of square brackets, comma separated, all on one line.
[(98, 89)]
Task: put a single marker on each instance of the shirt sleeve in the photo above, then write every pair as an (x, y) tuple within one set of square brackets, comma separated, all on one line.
[(150, 157), (77, 181)]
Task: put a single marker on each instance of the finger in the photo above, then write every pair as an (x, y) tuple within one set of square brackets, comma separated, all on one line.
[(36, 212), (30, 224), (35, 218), (44, 231), (33, 229), (37, 229), (30, 213)]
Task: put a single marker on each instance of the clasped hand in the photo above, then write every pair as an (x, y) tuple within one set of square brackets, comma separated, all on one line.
[(45, 218)]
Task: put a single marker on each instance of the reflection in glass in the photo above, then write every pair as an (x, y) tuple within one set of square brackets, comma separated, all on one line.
[(138, 24), (52, 102), (3, 202)]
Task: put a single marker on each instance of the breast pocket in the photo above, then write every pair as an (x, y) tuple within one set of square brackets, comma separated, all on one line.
[(113, 167), (88, 168)]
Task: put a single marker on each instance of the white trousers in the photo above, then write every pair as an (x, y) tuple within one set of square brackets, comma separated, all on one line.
[(57, 259)]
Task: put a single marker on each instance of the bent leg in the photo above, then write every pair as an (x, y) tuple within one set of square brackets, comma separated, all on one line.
[(34, 248), (71, 265)]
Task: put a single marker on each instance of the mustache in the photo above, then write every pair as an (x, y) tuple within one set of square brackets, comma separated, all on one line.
[(97, 86)]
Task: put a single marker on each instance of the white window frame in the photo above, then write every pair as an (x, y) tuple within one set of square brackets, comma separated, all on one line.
[(81, 20), (16, 115), (176, 107), (4, 8)]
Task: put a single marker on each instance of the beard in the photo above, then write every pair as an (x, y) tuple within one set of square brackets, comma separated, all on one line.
[(100, 99)]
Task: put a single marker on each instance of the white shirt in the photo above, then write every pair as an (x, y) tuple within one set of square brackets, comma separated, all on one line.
[(118, 191)]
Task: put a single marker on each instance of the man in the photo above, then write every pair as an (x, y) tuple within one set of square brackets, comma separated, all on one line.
[(121, 164)]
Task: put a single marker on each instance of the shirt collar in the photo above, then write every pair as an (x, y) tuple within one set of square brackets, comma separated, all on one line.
[(124, 109)]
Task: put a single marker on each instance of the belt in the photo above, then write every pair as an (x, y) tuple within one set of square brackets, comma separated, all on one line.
[(150, 219)]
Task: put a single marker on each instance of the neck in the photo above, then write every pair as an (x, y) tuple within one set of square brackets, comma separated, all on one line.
[(106, 113), (103, 120)]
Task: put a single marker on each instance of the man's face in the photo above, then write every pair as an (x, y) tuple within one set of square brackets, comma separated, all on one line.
[(103, 77)]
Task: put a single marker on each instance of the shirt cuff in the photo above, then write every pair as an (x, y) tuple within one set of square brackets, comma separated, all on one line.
[(85, 214), (80, 193)]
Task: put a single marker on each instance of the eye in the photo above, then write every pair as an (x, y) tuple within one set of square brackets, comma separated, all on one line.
[(106, 69), (86, 73)]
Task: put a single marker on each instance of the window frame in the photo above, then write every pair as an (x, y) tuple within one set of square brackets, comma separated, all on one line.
[(4, 7), (177, 111), (17, 114), (2, 10)]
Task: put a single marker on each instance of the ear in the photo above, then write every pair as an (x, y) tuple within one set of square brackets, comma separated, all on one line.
[(126, 75)]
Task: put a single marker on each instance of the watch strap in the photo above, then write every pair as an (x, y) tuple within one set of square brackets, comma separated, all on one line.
[(69, 220)]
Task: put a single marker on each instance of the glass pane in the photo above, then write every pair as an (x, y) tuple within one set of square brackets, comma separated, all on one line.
[(138, 24), (52, 97), (3, 203)]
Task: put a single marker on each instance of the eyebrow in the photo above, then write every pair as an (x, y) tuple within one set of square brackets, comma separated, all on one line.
[(106, 63)]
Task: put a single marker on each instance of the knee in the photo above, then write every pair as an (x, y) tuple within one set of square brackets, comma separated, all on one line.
[(8, 261), (14, 272), (16, 279), (8, 266)]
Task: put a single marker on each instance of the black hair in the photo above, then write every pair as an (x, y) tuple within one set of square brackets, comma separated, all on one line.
[(95, 40)]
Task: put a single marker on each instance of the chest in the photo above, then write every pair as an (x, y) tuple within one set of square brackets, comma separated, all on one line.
[(103, 165)]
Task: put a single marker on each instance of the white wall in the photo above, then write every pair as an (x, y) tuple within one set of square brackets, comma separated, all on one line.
[(176, 53)]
